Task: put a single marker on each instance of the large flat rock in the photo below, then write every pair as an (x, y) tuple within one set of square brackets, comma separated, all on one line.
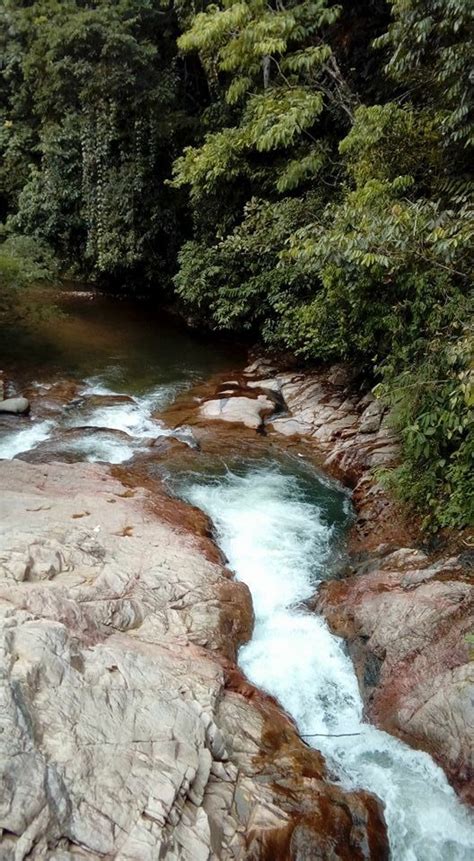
[(247, 411), (126, 730)]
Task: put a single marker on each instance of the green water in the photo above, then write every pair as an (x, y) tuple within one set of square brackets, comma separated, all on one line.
[(132, 348)]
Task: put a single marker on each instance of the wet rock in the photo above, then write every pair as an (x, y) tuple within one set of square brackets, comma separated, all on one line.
[(289, 426), (70, 445), (407, 622), (98, 401), (405, 615), (127, 729), (270, 384), (349, 434), (50, 399), (260, 367), (249, 412), (15, 406)]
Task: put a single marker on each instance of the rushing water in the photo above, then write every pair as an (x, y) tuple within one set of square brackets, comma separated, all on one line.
[(278, 536), (108, 349), (280, 525)]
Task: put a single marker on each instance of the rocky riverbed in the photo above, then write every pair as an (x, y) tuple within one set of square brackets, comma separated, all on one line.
[(405, 612), (128, 729)]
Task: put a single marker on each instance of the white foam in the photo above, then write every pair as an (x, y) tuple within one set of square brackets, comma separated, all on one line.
[(21, 441), (154, 399), (132, 417), (279, 545), (100, 448), (127, 417), (96, 386)]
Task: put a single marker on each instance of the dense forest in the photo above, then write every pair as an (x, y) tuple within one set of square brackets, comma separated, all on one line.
[(296, 171)]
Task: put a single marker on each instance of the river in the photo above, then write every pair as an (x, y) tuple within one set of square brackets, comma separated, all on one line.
[(279, 522)]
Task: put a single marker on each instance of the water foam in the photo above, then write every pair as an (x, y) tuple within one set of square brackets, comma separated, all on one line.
[(131, 418), (279, 544), (152, 399), (101, 448), (21, 441)]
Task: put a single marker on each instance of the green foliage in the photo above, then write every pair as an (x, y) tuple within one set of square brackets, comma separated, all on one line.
[(361, 252), (299, 211), (431, 48), (433, 412), (24, 263), (239, 283), (88, 136), (275, 68), (387, 141)]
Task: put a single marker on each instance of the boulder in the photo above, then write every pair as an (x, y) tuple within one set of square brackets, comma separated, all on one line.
[(15, 406), (371, 418), (271, 384), (411, 617), (249, 412)]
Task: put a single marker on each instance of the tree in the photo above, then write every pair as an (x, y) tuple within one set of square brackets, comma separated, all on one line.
[(352, 234), (272, 65), (93, 110), (430, 44)]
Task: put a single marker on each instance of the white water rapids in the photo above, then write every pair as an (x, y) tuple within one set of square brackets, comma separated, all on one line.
[(133, 418), (279, 539), (279, 544), (18, 441)]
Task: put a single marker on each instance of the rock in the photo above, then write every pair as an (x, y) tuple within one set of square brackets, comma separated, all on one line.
[(73, 444), (412, 618), (127, 730), (271, 384), (99, 401), (291, 426), (239, 410), (405, 615), (341, 375), (259, 366), (371, 418), (351, 438), (331, 430), (15, 406), (52, 398)]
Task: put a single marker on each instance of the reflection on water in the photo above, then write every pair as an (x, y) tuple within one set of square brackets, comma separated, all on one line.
[(130, 348), (109, 349)]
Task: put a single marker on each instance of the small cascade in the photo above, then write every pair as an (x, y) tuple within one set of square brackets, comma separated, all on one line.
[(280, 543)]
